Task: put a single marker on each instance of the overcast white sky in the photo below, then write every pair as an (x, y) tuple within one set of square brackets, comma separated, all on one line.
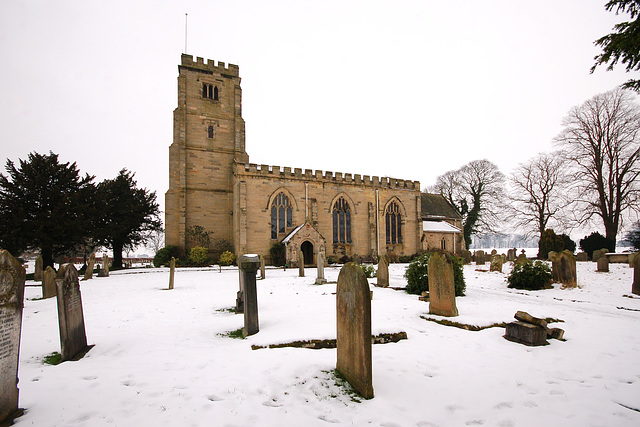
[(407, 89)]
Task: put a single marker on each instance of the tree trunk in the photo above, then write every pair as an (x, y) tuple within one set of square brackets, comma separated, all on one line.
[(611, 233), (47, 258), (117, 255)]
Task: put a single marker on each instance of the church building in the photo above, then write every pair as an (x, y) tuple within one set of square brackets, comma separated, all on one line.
[(212, 184)]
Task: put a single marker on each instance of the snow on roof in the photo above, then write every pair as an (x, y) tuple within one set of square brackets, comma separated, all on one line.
[(293, 233), (439, 227)]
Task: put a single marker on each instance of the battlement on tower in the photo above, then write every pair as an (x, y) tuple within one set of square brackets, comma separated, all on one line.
[(210, 65), (325, 176)]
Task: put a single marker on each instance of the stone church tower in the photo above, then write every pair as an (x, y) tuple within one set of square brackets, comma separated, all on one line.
[(208, 137)]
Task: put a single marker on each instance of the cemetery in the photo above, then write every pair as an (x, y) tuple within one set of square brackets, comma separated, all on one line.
[(176, 357)]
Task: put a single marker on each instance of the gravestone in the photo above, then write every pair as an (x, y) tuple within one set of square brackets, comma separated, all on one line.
[(383, 271), (566, 265), (262, 268), (249, 265), (632, 257), (88, 273), (521, 260), (635, 288), (353, 318), (49, 283), (480, 258), (300, 264), (12, 277), (172, 272), (37, 274), (511, 254), (603, 264), (73, 338), (104, 271), (599, 253), (240, 293), (320, 279), (496, 263), (555, 266), (526, 333), (494, 252), (466, 256), (442, 293), (582, 257)]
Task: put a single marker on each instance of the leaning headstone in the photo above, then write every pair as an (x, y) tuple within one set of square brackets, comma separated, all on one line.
[(88, 273), (582, 257), (353, 316), (172, 272), (37, 274), (49, 283), (480, 258), (73, 338), (320, 280), (599, 253), (300, 264), (496, 263), (635, 288), (442, 293), (383, 271), (603, 264), (262, 268), (567, 274), (249, 265), (12, 277), (466, 256)]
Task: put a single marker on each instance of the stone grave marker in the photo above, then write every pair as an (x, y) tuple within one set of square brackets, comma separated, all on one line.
[(172, 272), (466, 256), (240, 293), (480, 258), (37, 274), (521, 259), (249, 265), (632, 256), (88, 273), (353, 316), (442, 293), (496, 263), (635, 288), (603, 264), (566, 266), (599, 253), (582, 257), (555, 266), (320, 279), (49, 283), (494, 252), (12, 277), (383, 271), (104, 271), (73, 338), (511, 254), (300, 263), (262, 268)]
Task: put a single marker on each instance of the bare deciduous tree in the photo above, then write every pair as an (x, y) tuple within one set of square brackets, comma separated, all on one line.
[(601, 140), (476, 192)]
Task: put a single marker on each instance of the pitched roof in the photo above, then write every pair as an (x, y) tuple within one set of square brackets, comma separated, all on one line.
[(439, 227), (436, 206)]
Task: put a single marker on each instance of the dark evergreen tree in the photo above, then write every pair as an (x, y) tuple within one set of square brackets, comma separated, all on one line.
[(569, 244), (549, 241), (595, 241), (127, 214), (44, 205), (634, 236)]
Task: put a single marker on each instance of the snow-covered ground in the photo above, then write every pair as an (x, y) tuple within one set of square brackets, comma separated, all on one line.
[(162, 358)]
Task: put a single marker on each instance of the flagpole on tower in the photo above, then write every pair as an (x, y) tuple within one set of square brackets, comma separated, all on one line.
[(185, 32)]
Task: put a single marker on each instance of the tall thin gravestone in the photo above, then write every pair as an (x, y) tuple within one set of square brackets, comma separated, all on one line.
[(383, 271), (442, 292), (172, 271), (12, 277), (88, 273), (73, 338), (37, 274), (49, 283), (262, 268), (249, 265), (635, 288), (353, 312), (480, 258), (300, 264), (320, 279)]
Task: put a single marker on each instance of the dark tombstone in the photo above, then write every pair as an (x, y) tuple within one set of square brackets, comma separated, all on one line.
[(249, 265), (73, 338), (526, 333), (172, 272), (496, 263), (466, 256), (383, 271), (567, 274), (262, 268), (480, 258), (320, 279), (104, 271), (49, 283), (603, 264), (511, 254), (599, 253), (240, 293), (12, 277), (635, 288), (582, 257), (353, 316), (88, 273), (442, 292), (300, 263), (37, 274)]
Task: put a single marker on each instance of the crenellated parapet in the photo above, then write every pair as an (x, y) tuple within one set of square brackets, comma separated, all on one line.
[(210, 65), (253, 169)]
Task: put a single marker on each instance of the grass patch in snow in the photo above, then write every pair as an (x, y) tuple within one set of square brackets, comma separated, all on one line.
[(228, 310), (53, 359), (234, 334), (344, 386)]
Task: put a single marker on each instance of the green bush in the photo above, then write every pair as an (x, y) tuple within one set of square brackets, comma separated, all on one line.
[(218, 248), (406, 258), (277, 254), (227, 258), (163, 256), (549, 241), (199, 256), (417, 274), (369, 270), (595, 241), (332, 260), (569, 244), (530, 276)]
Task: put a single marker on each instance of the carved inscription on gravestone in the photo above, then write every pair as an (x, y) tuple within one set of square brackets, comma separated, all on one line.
[(12, 276), (73, 339)]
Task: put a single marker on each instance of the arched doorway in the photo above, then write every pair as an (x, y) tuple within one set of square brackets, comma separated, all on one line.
[(307, 252)]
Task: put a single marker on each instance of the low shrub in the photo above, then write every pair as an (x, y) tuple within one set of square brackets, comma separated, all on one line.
[(163, 256), (277, 254), (417, 274), (595, 241), (227, 258), (199, 256), (530, 276), (344, 259), (332, 260), (369, 270)]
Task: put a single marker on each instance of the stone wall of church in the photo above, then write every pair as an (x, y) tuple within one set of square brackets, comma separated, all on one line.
[(313, 194)]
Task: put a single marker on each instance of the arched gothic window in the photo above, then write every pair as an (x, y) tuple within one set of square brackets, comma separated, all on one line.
[(281, 215), (443, 244), (341, 222), (215, 93), (393, 220), (204, 90), (210, 132)]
